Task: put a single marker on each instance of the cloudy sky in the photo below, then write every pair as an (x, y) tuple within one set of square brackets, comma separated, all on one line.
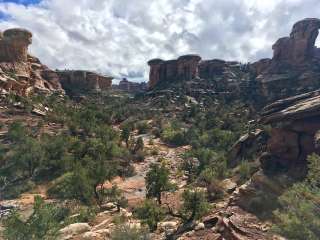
[(118, 37)]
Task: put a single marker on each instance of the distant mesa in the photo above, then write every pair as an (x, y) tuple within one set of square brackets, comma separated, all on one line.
[(79, 80), (130, 87)]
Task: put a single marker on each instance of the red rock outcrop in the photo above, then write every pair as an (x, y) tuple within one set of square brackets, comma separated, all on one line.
[(184, 68), (294, 69), (155, 72), (19, 72), (294, 136), (131, 87), (300, 46), (78, 80)]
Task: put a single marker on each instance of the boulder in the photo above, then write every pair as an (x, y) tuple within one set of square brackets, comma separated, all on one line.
[(74, 229)]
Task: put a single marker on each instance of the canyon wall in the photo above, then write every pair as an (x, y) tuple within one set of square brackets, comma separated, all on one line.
[(293, 69), (78, 80)]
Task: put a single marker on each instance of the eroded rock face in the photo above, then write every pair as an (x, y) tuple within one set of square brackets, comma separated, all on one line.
[(300, 46), (294, 69), (21, 73), (131, 87), (14, 45), (296, 124), (183, 69), (74, 81)]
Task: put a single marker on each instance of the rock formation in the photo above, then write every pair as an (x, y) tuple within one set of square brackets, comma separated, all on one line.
[(131, 87), (294, 69), (183, 69), (300, 46), (295, 132), (19, 72), (74, 81)]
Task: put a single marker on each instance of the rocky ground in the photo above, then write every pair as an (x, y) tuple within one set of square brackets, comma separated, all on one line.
[(225, 221)]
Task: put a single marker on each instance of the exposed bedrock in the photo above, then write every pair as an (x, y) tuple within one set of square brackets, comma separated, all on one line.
[(21, 73), (295, 129)]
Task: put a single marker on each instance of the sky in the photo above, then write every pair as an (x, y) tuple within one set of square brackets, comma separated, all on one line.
[(118, 37)]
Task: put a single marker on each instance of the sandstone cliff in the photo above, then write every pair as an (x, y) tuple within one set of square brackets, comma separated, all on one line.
[(294, 69), (20, 72), (131, 87), (78, 80), (295, 131)]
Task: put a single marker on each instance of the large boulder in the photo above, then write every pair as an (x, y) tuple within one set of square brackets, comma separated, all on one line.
[(73, 229)]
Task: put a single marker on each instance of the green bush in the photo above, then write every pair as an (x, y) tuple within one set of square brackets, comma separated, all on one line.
[(150, 213), (73, 185), (245, 170), (174, 136), (157, 181), (195, 204), (44, 223), (299, 215), (125, 232), (142, 127)]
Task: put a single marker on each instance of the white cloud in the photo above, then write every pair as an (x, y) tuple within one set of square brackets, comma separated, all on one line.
[(118, 37)]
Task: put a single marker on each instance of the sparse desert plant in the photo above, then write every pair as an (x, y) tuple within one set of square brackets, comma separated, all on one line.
[(157, 181), (125, 231), (44, 223), (299, 215), (150, 213), (195, 204), (142, 127)]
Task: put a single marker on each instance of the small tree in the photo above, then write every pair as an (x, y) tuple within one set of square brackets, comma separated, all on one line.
[(150, 213), (138, 146), (157, 181), (195, 205), (125, 134), (115, 195)]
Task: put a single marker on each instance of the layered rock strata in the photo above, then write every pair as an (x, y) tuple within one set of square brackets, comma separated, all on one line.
[(84, 81), (20, 72), (295, 130), (293, 69)]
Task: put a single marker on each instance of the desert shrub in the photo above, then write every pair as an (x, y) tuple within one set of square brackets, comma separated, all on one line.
[(116, 196), (157, 181), (73, 185), (245, 170), (174, 136), (299, 215), (14, 190), (142, 127), (150, 213), (44, 223), (127, 232), (17, 132), (195, 204)]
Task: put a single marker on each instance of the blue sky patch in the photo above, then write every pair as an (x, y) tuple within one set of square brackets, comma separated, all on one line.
[(4, 16), (23, 2)]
